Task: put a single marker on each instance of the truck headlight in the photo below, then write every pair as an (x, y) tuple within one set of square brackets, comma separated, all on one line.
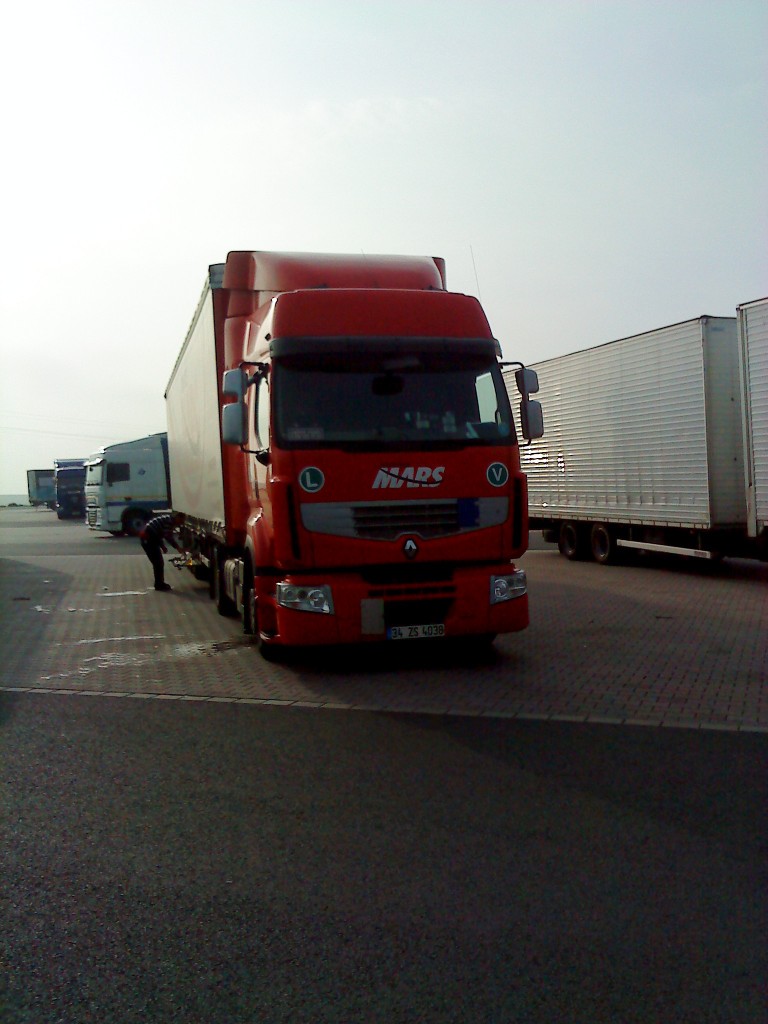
[(305, 599), (507, 588)]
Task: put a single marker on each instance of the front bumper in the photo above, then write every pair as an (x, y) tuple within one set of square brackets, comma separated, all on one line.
[(466, 605)]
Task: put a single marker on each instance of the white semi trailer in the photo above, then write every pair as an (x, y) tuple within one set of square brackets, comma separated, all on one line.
[(650, 439), (753, 352)]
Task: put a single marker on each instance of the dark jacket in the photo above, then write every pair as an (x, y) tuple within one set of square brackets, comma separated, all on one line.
[(159, 530)]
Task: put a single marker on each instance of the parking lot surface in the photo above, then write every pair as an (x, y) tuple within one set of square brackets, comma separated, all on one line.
[(662, 644)]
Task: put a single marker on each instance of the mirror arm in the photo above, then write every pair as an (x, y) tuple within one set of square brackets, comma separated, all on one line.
[(261, 370), (515, 362), (262, 454)]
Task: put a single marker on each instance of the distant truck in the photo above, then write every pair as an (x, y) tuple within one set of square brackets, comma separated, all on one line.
[(649, 441), (344, 452), (126, 483), (70, 488), (41, 487)]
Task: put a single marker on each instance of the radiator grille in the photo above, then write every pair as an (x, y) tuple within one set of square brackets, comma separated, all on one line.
[(389, 520)]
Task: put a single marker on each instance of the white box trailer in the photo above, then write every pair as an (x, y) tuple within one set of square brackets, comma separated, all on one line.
[(643, 446), (753, 352)]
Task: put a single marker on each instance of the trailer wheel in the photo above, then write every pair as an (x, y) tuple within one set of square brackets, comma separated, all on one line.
[(212, 558), (571, 541), (603, 544)]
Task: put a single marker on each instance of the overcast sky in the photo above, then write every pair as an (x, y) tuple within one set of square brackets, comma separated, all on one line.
[(590, 169)]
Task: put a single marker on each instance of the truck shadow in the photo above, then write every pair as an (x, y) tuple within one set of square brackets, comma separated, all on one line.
[(381, 658), (610, 643), (29, 599), (711, 784), (8, 703), (675, 565)]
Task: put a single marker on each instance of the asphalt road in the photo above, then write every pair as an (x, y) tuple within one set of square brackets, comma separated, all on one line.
[(172, 860)]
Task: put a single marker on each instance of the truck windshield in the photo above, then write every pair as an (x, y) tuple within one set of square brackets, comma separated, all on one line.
[(93, 473), (70, 481), (398, 401)]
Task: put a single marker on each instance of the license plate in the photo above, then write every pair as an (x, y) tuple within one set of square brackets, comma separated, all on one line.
[(415, 632)]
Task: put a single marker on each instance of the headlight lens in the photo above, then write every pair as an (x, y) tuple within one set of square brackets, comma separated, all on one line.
[(507, 588), (315, 598)]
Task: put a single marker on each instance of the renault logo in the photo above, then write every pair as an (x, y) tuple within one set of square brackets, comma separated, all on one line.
[(410, 548)]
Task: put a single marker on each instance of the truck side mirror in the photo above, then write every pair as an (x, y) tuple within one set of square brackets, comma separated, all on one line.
[(233, 425), (234, 429), (527, 381), (531, 419), (234, 382)]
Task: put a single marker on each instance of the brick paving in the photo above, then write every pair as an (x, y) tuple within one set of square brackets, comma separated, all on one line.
[(673, 644)]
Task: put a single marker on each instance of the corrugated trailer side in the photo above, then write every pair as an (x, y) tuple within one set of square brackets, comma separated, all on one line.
[(192, 409), (753, 345), (642, 442)]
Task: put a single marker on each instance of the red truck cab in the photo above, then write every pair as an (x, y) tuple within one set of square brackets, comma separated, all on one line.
[(371, 471)]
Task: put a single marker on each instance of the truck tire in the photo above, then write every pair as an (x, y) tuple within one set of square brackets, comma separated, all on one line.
[(224, 604), (602, 544), (134, 520), (250, 615), (268, 651), (570, 541)]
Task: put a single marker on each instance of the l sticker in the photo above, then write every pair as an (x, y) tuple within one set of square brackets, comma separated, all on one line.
[(311, 479), (497, 474)]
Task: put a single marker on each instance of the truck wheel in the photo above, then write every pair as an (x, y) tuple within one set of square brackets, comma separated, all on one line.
[(133, 521), (224, 605), (571, 541), (250, 616), (268, 651), (603, 544)]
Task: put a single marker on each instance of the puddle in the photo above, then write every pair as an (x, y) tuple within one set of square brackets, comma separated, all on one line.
[(118, 659), (117, 639), (126, 659), (190, 650)]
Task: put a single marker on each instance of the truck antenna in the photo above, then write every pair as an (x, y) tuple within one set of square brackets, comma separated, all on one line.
[(474, 267)]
